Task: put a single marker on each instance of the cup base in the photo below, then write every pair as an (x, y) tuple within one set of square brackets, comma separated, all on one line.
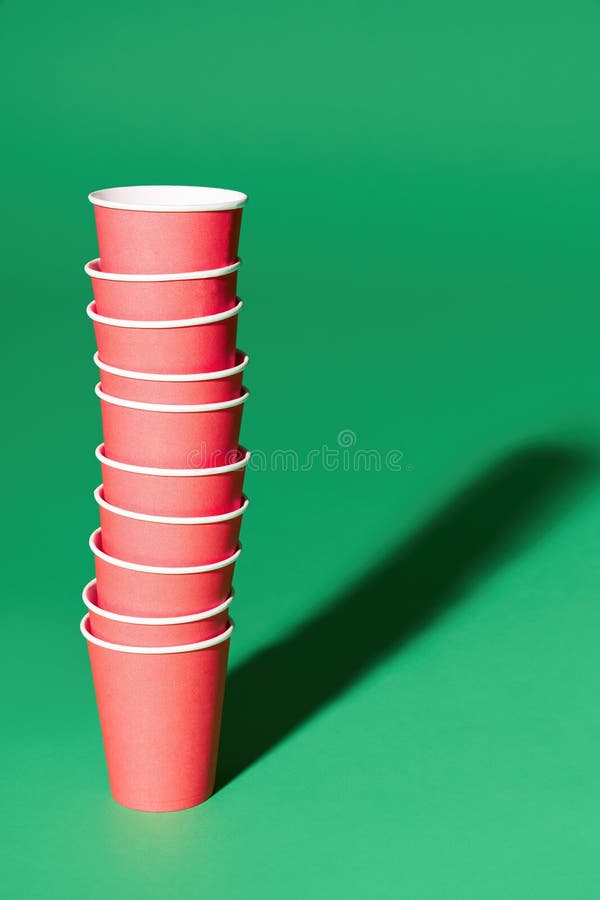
[(161, 807)]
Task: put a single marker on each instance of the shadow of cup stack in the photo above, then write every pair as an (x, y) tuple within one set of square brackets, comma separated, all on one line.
[(165, 314)]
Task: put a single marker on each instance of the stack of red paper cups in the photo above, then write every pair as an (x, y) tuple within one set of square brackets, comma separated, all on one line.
[(165, 314)]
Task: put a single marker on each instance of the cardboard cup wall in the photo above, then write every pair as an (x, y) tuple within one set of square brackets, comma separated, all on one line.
[(160, 716), (168, 540), (194, 491), (168, 347), (206, 387), (167, 228), (170, 435), (148, 631), (186, 295), (134, 589)]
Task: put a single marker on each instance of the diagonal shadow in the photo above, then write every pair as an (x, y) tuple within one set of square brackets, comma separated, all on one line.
[(281, 686)]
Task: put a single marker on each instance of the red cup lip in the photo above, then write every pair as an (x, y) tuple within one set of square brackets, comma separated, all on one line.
[(192, 376), (162, 323), (152, 620), (172, 473), (172, 407), (169, 520), (154, 651), (168, 198), (92, 268), (158, 570)]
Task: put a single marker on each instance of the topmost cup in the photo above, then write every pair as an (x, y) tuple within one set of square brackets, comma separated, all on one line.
[(159, 229)]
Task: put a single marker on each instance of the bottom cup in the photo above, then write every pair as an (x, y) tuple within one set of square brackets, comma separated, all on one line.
[(160, 715), (160, 631)]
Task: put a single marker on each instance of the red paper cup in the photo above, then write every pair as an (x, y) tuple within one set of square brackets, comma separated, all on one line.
[(183, 295), (179, 492), (168, 540), (167, 228), (170, 435), (160, 716), (134, 589), (167, 347), (205, 387), (140, 631)]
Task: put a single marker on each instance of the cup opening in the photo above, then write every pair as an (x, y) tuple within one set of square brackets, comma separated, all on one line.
[(162, 323), (242, 360), (95, 543), (84, 627), (89, 597), (172, 407), (243, 457), (92, 268), (170, 520), (168, 198)]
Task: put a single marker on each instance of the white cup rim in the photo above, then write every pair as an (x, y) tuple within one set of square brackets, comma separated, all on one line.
[(154, 651), (169, 520), (176, 379), (168, 198), (159, 570), (162, 323), (172, 407), (92, 268), (152, 620), (171, 473)]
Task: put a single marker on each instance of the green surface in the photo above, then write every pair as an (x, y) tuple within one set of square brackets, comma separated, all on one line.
[(412, 707)]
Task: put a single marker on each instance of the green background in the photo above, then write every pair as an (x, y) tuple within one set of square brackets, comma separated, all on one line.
[(412, 706)]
